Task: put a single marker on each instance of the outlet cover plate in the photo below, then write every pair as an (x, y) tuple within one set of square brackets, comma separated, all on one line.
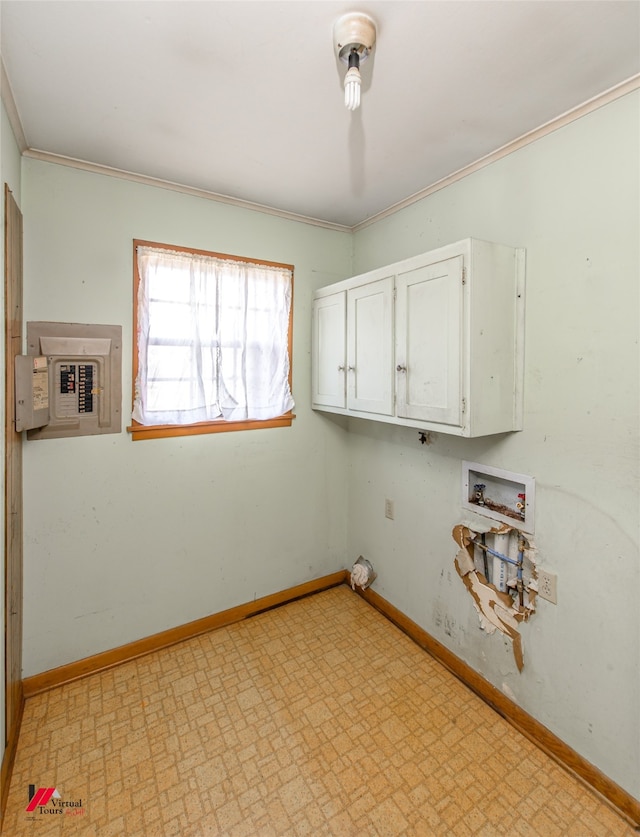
[(548, 586)]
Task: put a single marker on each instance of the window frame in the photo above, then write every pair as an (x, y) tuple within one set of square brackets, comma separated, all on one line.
[(158, 431)]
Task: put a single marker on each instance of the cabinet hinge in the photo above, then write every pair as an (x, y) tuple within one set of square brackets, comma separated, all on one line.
[(395, 294), (464, 275), (464, 405)]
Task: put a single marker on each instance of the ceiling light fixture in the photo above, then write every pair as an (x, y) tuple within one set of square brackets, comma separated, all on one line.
[(354, 36)]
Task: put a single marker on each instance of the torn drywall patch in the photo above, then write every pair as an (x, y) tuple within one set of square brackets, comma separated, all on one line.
[(503, 589)]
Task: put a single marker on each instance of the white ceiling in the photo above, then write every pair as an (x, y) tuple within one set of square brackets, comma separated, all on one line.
[(244, 99)]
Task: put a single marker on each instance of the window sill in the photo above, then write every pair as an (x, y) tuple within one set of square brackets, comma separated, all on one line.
[(161, 431)]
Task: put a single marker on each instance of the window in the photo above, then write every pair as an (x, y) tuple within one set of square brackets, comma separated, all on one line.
[(213, 342)]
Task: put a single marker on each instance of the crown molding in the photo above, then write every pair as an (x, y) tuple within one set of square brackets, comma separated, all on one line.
[(558, 122), (108, 171), (12, 111), (602, 99)]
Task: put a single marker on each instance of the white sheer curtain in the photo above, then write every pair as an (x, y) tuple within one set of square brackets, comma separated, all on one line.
[(212, 339)]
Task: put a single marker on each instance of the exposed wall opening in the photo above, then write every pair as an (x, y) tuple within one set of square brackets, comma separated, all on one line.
[(497, 566)]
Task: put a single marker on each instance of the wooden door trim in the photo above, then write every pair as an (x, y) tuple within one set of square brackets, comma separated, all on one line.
[(10, 757), (12, 588)]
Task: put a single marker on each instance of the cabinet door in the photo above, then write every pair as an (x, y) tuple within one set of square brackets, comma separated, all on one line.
[(329, 350), (429, 342), (370, 347)]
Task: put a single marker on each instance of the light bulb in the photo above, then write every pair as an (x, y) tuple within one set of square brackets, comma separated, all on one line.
[(354, 36), (352, 88)]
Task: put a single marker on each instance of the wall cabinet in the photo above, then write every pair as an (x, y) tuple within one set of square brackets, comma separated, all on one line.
[(434, 342), (329, 329), (370, 347)]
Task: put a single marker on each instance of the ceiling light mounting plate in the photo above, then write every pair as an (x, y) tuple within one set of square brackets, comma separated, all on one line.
[(354, 30)]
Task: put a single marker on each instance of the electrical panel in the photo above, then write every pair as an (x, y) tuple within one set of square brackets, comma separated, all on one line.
[(84, 379)]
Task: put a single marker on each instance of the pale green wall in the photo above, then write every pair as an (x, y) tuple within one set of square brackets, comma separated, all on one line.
[(124, 539), (10, 174), (572, 200)]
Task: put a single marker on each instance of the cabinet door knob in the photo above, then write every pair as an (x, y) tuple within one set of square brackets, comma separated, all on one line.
[(400, 368), (351, 368), (340, 368)]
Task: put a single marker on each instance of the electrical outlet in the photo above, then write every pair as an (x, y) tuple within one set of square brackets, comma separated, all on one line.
[(388, 509), (548, 586)]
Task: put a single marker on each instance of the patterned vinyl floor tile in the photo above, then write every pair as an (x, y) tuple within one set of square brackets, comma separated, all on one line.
[(317, 718)]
